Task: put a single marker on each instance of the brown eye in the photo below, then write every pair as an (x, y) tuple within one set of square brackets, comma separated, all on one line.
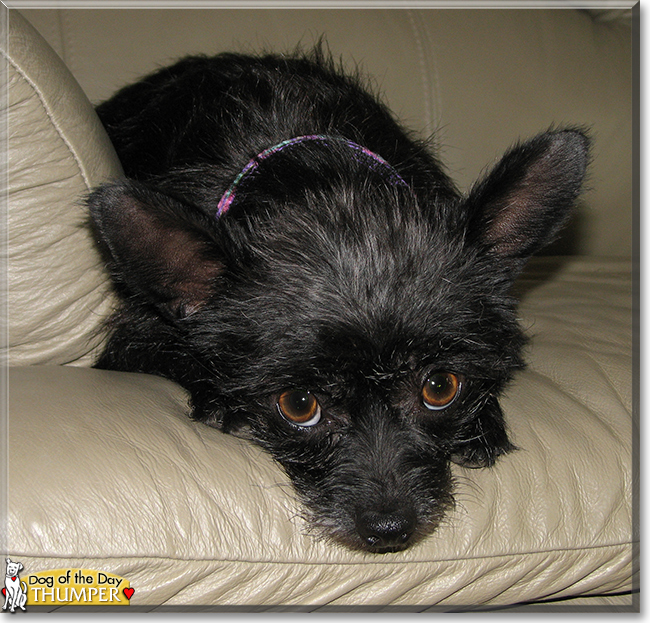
[(440, 390), (299, 407)]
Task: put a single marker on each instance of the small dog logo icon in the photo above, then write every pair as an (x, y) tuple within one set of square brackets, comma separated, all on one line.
[(15, 591)]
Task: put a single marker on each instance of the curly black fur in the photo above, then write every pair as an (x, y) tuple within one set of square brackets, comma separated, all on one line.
[(323, 277)]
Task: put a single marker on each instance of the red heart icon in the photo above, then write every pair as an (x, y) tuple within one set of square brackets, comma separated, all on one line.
[(4, 592), (128, 592)]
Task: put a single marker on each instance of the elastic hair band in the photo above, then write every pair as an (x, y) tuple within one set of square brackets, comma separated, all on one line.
[(374, 160)]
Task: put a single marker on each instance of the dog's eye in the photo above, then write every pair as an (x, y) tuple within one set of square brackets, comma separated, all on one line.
[(299, 407), (440, 390)]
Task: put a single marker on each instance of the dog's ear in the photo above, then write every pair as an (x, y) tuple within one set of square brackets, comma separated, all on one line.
[(523, 202), (158, 246)]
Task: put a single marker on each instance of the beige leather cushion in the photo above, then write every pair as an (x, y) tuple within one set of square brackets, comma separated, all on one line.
[(57, 151), (480, 79), (192, 516)]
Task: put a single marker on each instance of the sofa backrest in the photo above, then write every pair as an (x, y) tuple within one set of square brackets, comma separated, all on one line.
[(477, 79)]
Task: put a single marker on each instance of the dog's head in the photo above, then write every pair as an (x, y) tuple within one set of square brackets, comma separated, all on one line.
[(13, 568), (359, 330)]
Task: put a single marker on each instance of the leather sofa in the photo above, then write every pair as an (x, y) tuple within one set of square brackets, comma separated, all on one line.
[(105, 471)]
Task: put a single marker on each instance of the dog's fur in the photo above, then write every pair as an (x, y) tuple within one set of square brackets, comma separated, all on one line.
[(323, 277)]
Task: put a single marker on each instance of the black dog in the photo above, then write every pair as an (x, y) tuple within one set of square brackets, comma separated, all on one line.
[(304, 267)]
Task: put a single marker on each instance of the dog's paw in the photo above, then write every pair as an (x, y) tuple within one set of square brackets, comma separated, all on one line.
[(481, 454), (485, 441)]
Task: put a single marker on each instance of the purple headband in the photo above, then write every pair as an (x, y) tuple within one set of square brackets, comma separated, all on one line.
[(374, 160)]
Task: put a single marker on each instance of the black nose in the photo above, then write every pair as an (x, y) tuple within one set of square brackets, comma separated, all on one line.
[(385, 532)]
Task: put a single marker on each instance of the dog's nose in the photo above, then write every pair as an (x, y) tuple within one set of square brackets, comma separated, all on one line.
[(385, 532)]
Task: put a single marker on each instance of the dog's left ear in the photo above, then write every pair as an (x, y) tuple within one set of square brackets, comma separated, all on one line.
[(521, 205)]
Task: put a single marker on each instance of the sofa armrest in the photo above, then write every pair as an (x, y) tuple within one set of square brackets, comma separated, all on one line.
[(57, 150)]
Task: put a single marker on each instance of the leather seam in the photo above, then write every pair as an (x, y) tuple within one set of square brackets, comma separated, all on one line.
[(621, 546), (50, 116), (427, 62)]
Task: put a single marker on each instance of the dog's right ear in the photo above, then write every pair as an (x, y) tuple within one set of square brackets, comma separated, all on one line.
[(159, 247)]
